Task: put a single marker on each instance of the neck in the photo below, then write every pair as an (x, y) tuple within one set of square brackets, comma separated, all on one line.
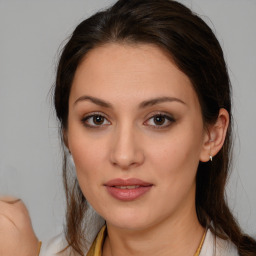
[(175, 236)]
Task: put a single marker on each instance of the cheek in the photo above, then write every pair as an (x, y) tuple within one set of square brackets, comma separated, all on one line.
[(176, 156), (174, 165), (88, 158), (89, 155)]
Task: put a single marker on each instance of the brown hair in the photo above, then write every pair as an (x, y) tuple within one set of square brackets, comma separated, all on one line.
[(196, 51)]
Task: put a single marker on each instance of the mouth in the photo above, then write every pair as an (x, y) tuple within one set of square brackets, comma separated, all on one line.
[(127, 190), (127, 187), (127, 183)]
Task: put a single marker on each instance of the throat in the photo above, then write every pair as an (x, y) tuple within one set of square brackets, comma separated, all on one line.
[(154, 245)]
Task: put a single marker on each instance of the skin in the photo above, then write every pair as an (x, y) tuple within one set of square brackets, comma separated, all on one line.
[(127, 142), (16, 233)]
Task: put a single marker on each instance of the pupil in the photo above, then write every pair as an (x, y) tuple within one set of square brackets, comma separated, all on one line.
[(159, 120), (98, 119)]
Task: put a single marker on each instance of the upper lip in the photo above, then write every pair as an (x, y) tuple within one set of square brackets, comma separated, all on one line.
[(127, 182)]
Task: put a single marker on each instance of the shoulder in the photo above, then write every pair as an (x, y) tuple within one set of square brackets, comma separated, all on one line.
[(218, 246), (54, 246)]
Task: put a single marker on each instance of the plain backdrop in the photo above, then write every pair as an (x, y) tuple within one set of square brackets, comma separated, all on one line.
[(31, 35)]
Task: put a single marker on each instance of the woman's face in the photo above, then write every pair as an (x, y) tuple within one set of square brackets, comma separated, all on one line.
[(136, 134)]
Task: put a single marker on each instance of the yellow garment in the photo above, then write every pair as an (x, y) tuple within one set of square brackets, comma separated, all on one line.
[(96, 248)]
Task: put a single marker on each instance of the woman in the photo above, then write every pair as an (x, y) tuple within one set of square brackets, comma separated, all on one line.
[(143, 99)]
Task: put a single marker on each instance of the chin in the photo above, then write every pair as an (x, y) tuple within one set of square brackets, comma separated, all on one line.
[(128, 224), (130, 220)]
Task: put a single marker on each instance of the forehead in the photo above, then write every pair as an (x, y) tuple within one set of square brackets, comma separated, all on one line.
[(124, 71)]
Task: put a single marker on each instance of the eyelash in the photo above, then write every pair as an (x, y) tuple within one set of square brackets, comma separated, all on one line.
[(167, 118), (91, 116)]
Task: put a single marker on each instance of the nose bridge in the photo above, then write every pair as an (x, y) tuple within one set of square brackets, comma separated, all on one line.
[(126, 151)]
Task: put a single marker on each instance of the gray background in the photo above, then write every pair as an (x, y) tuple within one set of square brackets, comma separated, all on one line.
[(31, 33)]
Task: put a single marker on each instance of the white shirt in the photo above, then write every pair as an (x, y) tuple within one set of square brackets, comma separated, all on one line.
[(209, 248)]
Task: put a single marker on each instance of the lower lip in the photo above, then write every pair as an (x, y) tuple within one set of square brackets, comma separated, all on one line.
[(127, 194)]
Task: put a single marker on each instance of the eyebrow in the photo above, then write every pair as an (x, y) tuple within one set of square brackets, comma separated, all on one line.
[(158, 100), (94, 100), (143, 104)]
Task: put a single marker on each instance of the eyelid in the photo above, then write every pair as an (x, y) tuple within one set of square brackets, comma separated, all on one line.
[(92, 114), (166, 115), (160, 113)]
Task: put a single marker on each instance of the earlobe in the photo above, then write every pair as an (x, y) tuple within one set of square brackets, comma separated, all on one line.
[(215, 137)]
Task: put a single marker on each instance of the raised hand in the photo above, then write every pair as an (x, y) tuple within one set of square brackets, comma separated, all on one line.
[(17, 237)]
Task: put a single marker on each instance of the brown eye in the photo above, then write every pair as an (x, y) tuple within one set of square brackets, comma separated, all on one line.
[(159, 120), (98, 120), (95, 121)]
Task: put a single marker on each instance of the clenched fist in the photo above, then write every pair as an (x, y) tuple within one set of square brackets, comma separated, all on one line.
[(17, 237)]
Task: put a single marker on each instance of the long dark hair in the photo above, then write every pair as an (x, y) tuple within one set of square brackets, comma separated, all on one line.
[(192, 45)]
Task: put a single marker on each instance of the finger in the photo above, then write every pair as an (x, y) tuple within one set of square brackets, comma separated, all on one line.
[(9, 199), (12, 202), (15, 210)]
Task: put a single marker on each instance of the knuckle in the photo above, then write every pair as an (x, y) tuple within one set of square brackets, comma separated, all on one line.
[(6, 223), (20, 211)]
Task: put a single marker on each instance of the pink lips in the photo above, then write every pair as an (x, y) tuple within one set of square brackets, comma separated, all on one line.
[(127, 190)]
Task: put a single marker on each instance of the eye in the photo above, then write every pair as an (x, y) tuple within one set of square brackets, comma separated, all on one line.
[(160, 121), (95, 120)]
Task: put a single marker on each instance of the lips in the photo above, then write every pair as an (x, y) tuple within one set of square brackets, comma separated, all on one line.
[(127, 187), (127, 190)]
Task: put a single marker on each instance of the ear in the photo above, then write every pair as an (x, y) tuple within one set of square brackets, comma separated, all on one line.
[(215, 136)]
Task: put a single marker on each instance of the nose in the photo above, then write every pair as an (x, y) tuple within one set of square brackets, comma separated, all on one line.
[(126, 148)]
